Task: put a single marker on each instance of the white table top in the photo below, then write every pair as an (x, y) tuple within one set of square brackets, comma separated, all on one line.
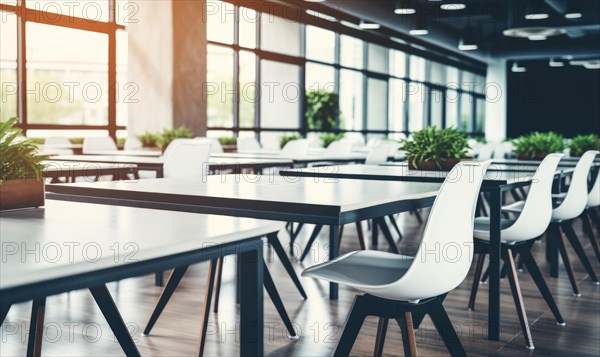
[(149, 160), (76, 238), (260, 192), (143, 153)]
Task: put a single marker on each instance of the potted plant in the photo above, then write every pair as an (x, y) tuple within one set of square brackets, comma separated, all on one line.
[(21, 182), (228, 143), (536, 146), (435, 149), (284, 139), (169, 135), (328, 138), (582, 143), (322, 109), (149, 140)]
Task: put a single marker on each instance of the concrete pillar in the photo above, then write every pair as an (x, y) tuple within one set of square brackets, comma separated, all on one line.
[(496, 101)]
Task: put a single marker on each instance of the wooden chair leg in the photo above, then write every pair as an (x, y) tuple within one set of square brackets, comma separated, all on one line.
[(36, 328), (444, 327), (361, 236), (476, 280), (518, 297), (576, 244), (218, 284), (210, 283), (562, 248), (311, 240), (166, 294), (405, 321), (538, 278), (380, 339), (285, 260), (354, 322), (587, 224)]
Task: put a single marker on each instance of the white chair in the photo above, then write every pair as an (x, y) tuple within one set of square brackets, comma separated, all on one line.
[(573, 204), (377, 155), (248, 144), (186, 158), (398, 286), (503, 150), (59, 141), (132, 143), (485, 152), (215, 145), (295, 148), (591, 215), (103, 143), (517, 237), (339, 148)]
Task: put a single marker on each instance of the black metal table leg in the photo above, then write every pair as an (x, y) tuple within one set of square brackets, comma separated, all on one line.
[(494, 268), (333, 253), (251, 308), (158, 278)]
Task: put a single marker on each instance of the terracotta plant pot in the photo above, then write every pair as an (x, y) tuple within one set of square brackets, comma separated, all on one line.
[(229, 148), (21, 193), (432, 166)]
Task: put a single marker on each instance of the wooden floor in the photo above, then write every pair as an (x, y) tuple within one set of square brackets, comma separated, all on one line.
[(74, 326)]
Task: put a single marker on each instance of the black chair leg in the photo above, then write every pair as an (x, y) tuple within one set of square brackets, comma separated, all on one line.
[(351, 328), (567, 261), (538, 278), (572, 237), (587, 224), (444, 327), (311, 240), (418, 216), (276, 244), (361, 236), (380, 339), (476, 280), (395, 226), (518, 297), (274, 295), (36, 328), (166, 294)]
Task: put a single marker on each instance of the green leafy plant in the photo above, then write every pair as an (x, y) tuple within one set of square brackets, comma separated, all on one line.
[(18, 158), (322, 109), (228, 140), (149, 139), (582, 143), (328, 138), (435, 145), (76, 141), (479, 138), (284, 139), (169, 135), (537, 145)]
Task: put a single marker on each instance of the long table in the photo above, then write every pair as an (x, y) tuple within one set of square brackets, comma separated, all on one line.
[(156, 164), (73, 169), (85, 246), (265, 197), (495, 183)]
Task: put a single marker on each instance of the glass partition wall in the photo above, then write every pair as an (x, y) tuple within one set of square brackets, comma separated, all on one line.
[(264, 64)]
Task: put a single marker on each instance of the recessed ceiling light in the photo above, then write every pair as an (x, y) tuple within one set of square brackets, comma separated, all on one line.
[(536, 16), (453, 6), (418, 32), (467, 46), (516, 69), (369, 25), (573, 15), (351, 25), (537, 38), (405, 11), (320, 15), (554, 63), (405, 7)]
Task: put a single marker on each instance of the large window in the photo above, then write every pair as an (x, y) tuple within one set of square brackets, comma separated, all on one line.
[(273, 61), (61, 76)]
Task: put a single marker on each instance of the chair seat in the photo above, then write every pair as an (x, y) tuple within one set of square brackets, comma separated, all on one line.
[(482, 228), (515, 207), (366, 268)]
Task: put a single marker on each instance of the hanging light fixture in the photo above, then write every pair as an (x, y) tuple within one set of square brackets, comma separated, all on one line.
[(555, 63), (534, 11), (405, 7), (467, 42), (517, 69), (367, 25), (420, 28)]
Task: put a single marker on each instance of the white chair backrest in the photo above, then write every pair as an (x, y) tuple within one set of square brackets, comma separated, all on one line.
[(392, 146), (295, 148), (485, 152), (377, 155), (132, 143), (577, 196), (537, 211), (103, 143), (248, 144), (446, 250), (374, 142), (339, 148), (57, 141), (215, 145), (594, 195), (186, 158)]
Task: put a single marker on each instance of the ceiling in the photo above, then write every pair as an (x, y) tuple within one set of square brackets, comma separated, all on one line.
[(485, 21)]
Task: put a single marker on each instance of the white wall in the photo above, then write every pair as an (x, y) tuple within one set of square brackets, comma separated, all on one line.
[(151, 66), (496, 100)]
